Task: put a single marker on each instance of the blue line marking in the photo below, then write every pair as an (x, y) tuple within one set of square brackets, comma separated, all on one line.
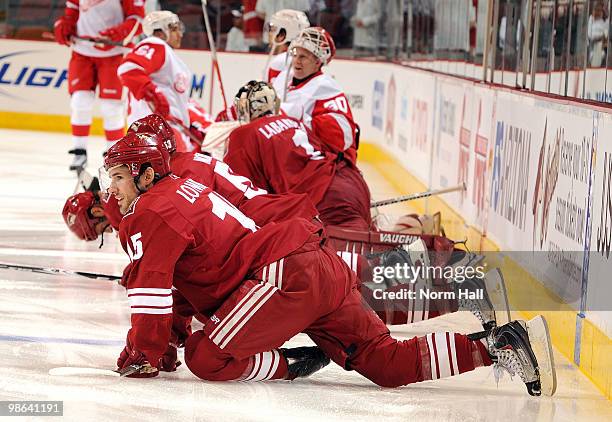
[(86, 341)]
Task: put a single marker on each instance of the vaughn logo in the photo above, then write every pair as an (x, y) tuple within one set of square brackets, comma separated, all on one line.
[(397, 238), (15, 74)]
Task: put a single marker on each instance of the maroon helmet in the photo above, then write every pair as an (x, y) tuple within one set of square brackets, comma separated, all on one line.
[(77, 216), (154, 123), (136, 149)]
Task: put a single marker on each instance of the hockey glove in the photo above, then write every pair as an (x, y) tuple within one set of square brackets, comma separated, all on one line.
[(157, 101), (130, 356), (119, 33), (63, 29), (169, 360)]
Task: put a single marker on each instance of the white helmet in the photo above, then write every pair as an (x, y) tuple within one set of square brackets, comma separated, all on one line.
[(256, 99), (162, 20), (291, 21), (316, 40)]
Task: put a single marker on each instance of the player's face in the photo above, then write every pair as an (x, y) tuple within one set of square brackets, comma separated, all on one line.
[(122, 187), (304, 63), (175, 39)]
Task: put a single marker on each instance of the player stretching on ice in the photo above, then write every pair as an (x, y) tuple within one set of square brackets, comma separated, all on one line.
[(262, 286), (92, 65), (158, 80)]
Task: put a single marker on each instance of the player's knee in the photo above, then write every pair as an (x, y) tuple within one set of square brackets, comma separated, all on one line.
[(203, 359), (81, 104), (112, 113), (390, 379)]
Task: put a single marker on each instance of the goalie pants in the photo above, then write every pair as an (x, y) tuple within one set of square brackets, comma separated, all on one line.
[(314, 292), (346, 202)]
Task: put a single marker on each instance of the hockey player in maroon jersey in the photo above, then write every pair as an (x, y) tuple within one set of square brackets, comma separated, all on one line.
[(261, 286), (314, 97), (88, 214), (92, 65), (281, 155)]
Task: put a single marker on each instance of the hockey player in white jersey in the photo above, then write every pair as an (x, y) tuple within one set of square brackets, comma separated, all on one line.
[(157, 79), (284, 26), (314, 97), (92, 65)]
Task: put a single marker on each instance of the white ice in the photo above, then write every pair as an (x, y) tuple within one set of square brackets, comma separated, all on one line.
[(49, 321)]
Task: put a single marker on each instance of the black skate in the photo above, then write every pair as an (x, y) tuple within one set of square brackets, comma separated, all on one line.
[(304, 361), (472, 296), (80, 159), (512, 347)]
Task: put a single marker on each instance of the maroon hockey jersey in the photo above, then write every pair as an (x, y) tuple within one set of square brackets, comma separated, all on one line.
[(280, 155), (181, 233)]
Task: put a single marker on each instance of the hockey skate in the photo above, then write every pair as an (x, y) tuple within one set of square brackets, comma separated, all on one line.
[(302, 362), (524, 349), (80, 159), (484, 297)]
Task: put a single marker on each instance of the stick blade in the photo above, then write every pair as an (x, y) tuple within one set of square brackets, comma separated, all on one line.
[(80, 371), (67, 371), (539, 337)]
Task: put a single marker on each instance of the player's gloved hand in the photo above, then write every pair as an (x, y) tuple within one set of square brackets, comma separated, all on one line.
[(157, 100), (130, 356), (63, 29), (119, 33), (169, 360), (77, 215)]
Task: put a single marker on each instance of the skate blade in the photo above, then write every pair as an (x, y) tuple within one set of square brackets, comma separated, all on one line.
[(496, 289), (539, 337)]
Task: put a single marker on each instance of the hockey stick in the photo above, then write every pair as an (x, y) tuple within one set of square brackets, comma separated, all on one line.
[(78, 371), (414, 196), (98, 41), (184, 129), (58, 271), (213, 51)]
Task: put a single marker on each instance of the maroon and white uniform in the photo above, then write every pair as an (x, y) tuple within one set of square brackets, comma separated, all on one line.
[(238, 190), (320, 103), (281, 155), (260, 287), (153, 60)]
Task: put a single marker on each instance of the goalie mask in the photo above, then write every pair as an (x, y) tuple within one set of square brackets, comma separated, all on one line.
[(256, 99), (318, 41), (287, 21), (162, 20)]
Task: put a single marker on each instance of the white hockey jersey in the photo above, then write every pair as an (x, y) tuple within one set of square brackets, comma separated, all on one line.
[(154, 60), (98, 15)]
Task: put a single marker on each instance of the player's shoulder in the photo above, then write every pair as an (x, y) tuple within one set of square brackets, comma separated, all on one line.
[(278, 61), (152, 42), (324, 86)]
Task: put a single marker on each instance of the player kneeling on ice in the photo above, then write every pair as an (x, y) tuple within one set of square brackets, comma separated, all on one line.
[(248, 280)]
